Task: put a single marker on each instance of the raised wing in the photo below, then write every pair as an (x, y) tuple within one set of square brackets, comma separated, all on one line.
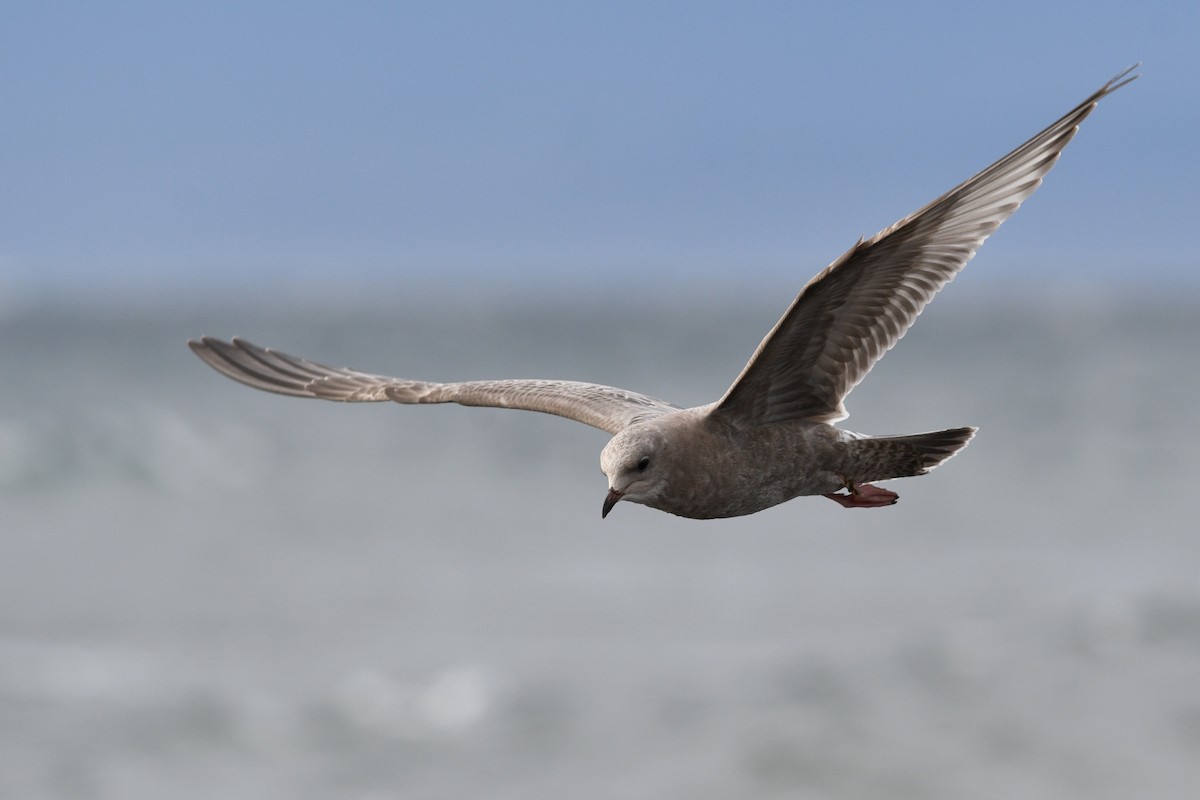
[(856, 309), (603, 407)]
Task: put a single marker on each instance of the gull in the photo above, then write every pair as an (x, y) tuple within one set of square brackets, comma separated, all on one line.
[(770, 437)]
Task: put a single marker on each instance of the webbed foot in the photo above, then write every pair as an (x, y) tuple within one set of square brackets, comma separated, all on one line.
[(864, 495)]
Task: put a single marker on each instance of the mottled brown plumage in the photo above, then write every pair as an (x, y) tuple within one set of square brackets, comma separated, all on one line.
[(769, 438)]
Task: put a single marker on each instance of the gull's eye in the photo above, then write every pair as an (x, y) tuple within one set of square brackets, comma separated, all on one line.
[(643, 462)]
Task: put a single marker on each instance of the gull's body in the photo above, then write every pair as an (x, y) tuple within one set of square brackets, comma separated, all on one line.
[(769, 438)]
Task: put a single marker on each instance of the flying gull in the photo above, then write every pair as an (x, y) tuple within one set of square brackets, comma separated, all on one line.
[(769, 438)]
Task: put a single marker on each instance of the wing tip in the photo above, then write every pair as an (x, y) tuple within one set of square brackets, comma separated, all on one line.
[(202, 343), (214, 344), (1122, 78)]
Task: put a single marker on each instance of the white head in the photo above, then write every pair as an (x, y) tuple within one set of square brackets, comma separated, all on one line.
[(634, 461)]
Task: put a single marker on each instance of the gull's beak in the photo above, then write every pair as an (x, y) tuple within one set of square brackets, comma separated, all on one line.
[(609, 501)]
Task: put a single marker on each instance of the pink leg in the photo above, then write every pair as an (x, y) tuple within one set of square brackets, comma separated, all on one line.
[(864, 495)]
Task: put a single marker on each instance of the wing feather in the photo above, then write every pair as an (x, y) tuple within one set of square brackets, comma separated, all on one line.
[(604, 407), (856, 309)]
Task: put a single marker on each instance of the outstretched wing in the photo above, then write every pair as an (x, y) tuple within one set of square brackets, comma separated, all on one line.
[(855, 310), (603, 407)]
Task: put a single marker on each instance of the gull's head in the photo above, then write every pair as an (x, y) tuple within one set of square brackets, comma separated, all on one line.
[(634, 461)]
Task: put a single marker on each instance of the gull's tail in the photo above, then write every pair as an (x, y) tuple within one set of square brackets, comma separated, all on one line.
[(878, 458)]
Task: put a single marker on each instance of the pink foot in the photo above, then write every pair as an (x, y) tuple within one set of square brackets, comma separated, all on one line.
[(864, 495)]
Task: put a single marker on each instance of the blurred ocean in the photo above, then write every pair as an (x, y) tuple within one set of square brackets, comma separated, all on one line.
[(207, 591)]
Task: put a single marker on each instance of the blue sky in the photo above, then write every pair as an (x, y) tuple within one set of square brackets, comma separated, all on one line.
[(186, 147)]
